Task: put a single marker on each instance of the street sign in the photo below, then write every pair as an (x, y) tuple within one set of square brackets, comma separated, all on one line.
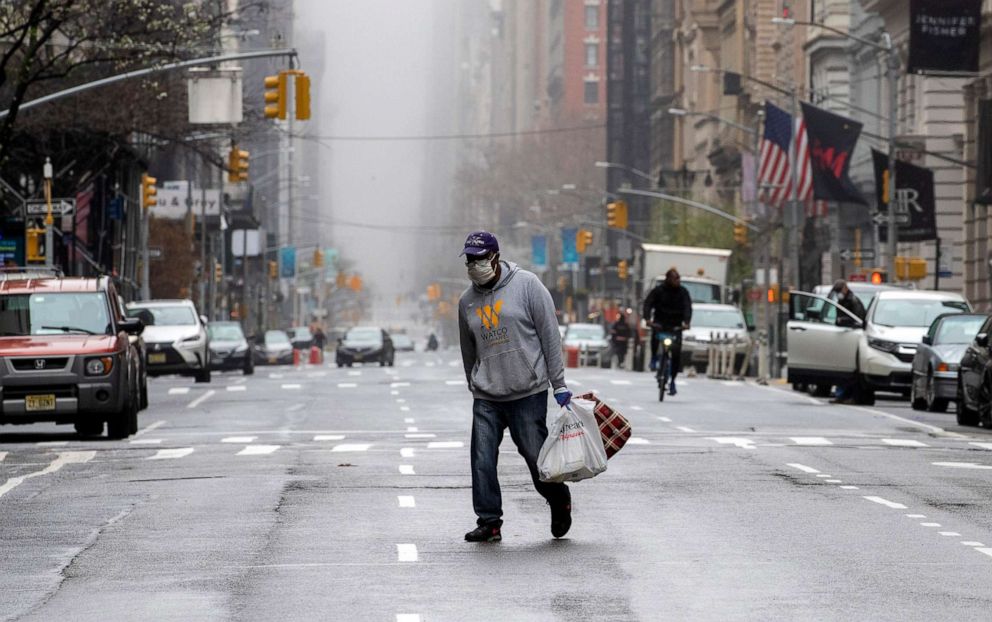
[(867, 254), (60, 207), (154, 252)]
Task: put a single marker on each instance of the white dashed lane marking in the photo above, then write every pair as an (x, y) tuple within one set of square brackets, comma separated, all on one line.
[(239, 439), (178, 390), (52, 444), (982, 445), (409, 420), (350, 447), (962, 465), (406, 469), (682, 428), (421, 435), (329, 437), (802, 467), (743, 443), (406, 501), (147, 441), (258, 450), (886, 503), (291, 386), (171, 454), (347, 385), (396, 385), (903, 442), (206, 396), (3, 454), (407, 452), (950, 534), (448, 445), (810, 440), (64, 458), (407, 617), (406, 552), (637, 440), (237, 387)]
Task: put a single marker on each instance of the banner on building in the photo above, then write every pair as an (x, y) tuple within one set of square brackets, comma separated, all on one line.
[(831, 140), (539, 252), (915, 203), (569, 252), (174, 199), (287, 262), (944, 35)]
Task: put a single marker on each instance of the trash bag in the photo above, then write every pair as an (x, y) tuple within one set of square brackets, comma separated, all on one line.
[(573, 450)]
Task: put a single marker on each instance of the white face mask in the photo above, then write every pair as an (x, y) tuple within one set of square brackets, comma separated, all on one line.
[(482, 271)]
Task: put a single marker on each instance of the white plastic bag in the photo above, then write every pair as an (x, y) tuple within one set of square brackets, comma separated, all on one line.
[(573, 450)]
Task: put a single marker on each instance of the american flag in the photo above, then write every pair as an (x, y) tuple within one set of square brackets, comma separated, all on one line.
[(774, 173)]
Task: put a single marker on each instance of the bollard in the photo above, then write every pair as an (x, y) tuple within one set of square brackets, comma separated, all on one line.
[(314, 355), (296, 357), (763, 358), (711, 356)]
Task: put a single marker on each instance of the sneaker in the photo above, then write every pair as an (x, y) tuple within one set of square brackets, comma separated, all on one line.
[(561, 518), (671, 388), (484, 533)]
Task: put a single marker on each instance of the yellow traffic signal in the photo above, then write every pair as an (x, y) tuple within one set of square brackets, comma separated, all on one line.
[(355, 283), (218, 272), (622, 269), (583, 240), (433, 291), (740, 233), (616, 214), (302, 96), (275, 96), (877, 277), (148, 191), (318, 258), (34, 242), (341, 281), (237, 165), (273, 269)]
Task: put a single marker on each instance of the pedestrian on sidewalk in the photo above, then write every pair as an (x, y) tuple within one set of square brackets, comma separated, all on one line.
[(511, 350), (620, 333)]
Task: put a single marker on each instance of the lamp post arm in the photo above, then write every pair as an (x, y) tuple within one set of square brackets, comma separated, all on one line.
[(702, 206)]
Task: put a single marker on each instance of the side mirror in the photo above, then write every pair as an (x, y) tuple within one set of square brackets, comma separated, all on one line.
[(846, 321), (928, 340), (204, 319), (132, 326), (982, 340)]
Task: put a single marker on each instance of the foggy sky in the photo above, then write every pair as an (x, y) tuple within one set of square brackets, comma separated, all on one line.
[(376, 79)]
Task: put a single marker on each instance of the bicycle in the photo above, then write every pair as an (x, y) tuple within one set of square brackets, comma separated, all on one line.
[(663, 373)]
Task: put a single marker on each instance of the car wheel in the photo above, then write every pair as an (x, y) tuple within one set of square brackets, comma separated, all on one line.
[(340, 365), (965, 415), (820, 390), (934, 404), (89, 428), (203, 375), (915, 401), (125, 422)]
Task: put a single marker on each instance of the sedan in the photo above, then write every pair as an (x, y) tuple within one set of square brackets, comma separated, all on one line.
[(937, 359), (974, 390), (229, 349), (712, 319), (402, 343), (589, 339), (365, 344), (274, 349)]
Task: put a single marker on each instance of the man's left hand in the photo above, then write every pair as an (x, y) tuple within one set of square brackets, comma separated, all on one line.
[(563, 397)]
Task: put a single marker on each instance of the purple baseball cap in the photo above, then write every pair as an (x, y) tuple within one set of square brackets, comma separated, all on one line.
[(480, 243)]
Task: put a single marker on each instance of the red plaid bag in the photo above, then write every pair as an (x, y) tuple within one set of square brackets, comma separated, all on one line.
[(614, 428)]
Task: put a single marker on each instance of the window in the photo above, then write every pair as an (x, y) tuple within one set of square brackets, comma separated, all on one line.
[(54, 314), (591, 92), (592, 54), (592, 17)]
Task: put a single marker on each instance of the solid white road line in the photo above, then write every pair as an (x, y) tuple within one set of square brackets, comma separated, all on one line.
[(146, 441), (802, 467), (421, 435), (258, 450), (170, 454), (406, 501), (347, 385), (407, 452), (206, 396), (962, 465), (406, 469), (886, 503), (329, 437), (810, 440), (237, 387), (291, 386), (149, 428), (882, 413), (743, 443), (178, 390), (351, 447), (406, 552), (239, 439), (52, 444), (64, 458), (445, 445), (903, 442), (682, 428)]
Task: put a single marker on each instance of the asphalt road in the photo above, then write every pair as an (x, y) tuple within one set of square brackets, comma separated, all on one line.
[(343, 494)]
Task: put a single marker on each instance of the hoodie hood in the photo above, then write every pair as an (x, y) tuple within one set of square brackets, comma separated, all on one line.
[(507, 271)]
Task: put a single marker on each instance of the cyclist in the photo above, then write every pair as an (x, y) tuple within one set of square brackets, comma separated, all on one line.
[(668, 308)]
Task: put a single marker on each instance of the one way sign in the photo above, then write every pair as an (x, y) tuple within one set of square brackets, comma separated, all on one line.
[(60, 207), (867, 254)]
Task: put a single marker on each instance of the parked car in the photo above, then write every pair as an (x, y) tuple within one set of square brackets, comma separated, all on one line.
[(274, 349), (365, 344), (402, 342), (176, 339), (974, 388), (229, 349), (66, 356), (589, 338), (301, 337), (938, 358), (827, 345), (708, 319), (138, 343)]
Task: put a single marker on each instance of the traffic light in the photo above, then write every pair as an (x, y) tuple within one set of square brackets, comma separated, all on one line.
[(148, 191), (583, 240), (773, 293), (433, 291), (275, 96), (877, 277), (218, 272), (35, 245), (616, 214), (318, 258), (341, 281), (273, 269), (740, 233), (355, 283), (622, 269), (237, 165), (302, 96)]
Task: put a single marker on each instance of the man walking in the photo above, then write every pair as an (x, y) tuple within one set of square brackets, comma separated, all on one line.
[(511, 350)]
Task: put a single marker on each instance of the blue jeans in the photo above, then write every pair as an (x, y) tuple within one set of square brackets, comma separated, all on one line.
[(527, 420)]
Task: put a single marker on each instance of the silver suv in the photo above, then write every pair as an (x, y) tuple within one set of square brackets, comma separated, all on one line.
[(175, 336)]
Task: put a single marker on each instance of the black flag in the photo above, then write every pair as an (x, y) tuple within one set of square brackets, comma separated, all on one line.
[(944, 35), (831, 139), (914, 199)]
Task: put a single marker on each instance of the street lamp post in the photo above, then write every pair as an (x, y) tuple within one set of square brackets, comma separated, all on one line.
[(892, 74), (49, 219)]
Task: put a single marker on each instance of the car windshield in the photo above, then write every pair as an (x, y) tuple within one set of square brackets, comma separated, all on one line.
[(702, 292), (54, 314), (401, 340), (172, 315), (301, 333), (225, 332), (914, 312), (276, 338), (717, 319), (363, 334), (584, 333), (958, 329)]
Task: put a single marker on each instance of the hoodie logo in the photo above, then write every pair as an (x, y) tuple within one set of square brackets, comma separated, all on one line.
[(490, 315)]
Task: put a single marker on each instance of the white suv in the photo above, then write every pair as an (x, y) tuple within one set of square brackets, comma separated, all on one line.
[(829, 346), (176, 339)]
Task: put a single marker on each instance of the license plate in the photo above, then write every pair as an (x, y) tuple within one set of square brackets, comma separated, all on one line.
[(358, 357), (273, 359), (33, 403), (156, 357)]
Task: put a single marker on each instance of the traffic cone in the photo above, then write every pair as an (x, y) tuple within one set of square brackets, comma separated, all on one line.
[(296, 357), (314, 355)]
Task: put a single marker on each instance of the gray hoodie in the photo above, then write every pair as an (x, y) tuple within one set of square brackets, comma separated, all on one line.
[(511, 347)]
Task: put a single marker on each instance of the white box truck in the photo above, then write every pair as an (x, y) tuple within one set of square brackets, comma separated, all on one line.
[(703, 270)]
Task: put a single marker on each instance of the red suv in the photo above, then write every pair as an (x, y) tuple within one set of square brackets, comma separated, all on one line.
[(65, 355)]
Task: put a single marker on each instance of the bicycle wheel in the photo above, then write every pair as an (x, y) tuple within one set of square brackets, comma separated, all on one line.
[(664, 370)]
